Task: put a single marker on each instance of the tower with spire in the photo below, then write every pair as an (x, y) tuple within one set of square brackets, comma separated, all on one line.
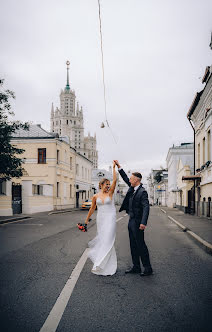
[(67, 121)]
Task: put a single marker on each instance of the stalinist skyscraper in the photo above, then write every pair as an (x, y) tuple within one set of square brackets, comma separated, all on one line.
[(68, 121)]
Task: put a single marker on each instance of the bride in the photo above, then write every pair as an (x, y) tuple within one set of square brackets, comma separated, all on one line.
[(102, 251)]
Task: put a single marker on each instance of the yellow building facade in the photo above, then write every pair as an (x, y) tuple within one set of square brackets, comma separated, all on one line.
[(48, 182), (200, 116)]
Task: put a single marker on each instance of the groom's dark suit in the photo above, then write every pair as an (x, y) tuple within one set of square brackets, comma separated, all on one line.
[(136, 205)]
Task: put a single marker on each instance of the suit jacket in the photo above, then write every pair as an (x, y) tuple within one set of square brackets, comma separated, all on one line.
[(140, 202)]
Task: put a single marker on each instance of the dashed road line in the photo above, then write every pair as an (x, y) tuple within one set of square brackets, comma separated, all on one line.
[(58, 309)]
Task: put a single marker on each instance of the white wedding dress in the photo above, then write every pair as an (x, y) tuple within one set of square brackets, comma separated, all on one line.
[(102, 251)]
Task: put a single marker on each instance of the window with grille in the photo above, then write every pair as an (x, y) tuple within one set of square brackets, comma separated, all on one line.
[(58, 189), (2, 187), (41, 156), (37, 189)]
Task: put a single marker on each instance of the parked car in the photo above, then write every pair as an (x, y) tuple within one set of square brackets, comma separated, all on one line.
[(86, 204)]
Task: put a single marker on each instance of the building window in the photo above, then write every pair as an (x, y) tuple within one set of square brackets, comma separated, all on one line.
[(209, 145), (58, 189), (41, 156), (198, 156), (77, 169), (2, 187), (203, 150), (70, 162), (67, 122), (70, 190), (37, 189), (58, 156)]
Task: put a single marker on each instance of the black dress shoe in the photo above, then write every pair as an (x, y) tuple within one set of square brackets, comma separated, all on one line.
[(133, 270), (147, 272)]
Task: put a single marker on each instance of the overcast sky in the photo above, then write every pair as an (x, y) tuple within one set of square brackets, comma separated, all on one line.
[(155, 55)]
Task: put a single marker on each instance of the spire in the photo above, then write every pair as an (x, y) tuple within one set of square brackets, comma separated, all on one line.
[(211, 41), (52, 111), (81, 109), (67, 83)]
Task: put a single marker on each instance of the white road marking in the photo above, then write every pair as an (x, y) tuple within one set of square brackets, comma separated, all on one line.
[(28, 225), (163, 210), (57, 311), (12, 222)]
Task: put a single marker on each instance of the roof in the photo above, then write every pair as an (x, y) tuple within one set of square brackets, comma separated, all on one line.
[(194, 103), (205, 79), (35, 131)]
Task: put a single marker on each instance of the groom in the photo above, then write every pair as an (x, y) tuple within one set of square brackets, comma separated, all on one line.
[(136, 204)]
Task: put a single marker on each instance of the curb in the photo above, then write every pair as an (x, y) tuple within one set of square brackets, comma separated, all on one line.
[(13, 219), (202, 243), (178, 224), (62, 211)]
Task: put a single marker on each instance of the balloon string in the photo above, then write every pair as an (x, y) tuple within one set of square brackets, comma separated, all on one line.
[(103, 72)]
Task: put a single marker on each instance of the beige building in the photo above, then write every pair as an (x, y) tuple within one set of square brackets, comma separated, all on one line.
[(185, 153), (200, 117), (49, 181), (83, 181), (184, 188)]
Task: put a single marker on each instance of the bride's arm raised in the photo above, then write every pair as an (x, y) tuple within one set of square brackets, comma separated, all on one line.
[(113, 185), (92, 209)]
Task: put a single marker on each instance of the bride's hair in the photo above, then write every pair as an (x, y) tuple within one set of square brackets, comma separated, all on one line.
[(102, 182)]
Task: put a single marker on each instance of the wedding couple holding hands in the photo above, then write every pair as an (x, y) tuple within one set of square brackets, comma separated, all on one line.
[(102, 250)]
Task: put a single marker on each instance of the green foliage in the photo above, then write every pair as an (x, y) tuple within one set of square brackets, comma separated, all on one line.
[(10, 164)]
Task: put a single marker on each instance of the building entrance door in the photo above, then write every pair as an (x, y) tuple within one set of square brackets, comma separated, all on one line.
[(77, 199), (16, 198), (191, 201)]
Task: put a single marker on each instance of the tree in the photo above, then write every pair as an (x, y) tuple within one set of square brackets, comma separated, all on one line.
[(158, 176), (10, 164)]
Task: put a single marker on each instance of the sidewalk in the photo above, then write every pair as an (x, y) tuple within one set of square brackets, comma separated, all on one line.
[(16, 217), (200, 229)]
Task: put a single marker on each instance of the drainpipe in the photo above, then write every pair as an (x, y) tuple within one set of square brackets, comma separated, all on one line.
[(189, 119)]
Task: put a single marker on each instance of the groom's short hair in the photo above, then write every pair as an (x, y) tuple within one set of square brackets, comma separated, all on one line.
[(137, 174)]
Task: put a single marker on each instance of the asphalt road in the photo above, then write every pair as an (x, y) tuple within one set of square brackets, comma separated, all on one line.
[(38, 255)]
